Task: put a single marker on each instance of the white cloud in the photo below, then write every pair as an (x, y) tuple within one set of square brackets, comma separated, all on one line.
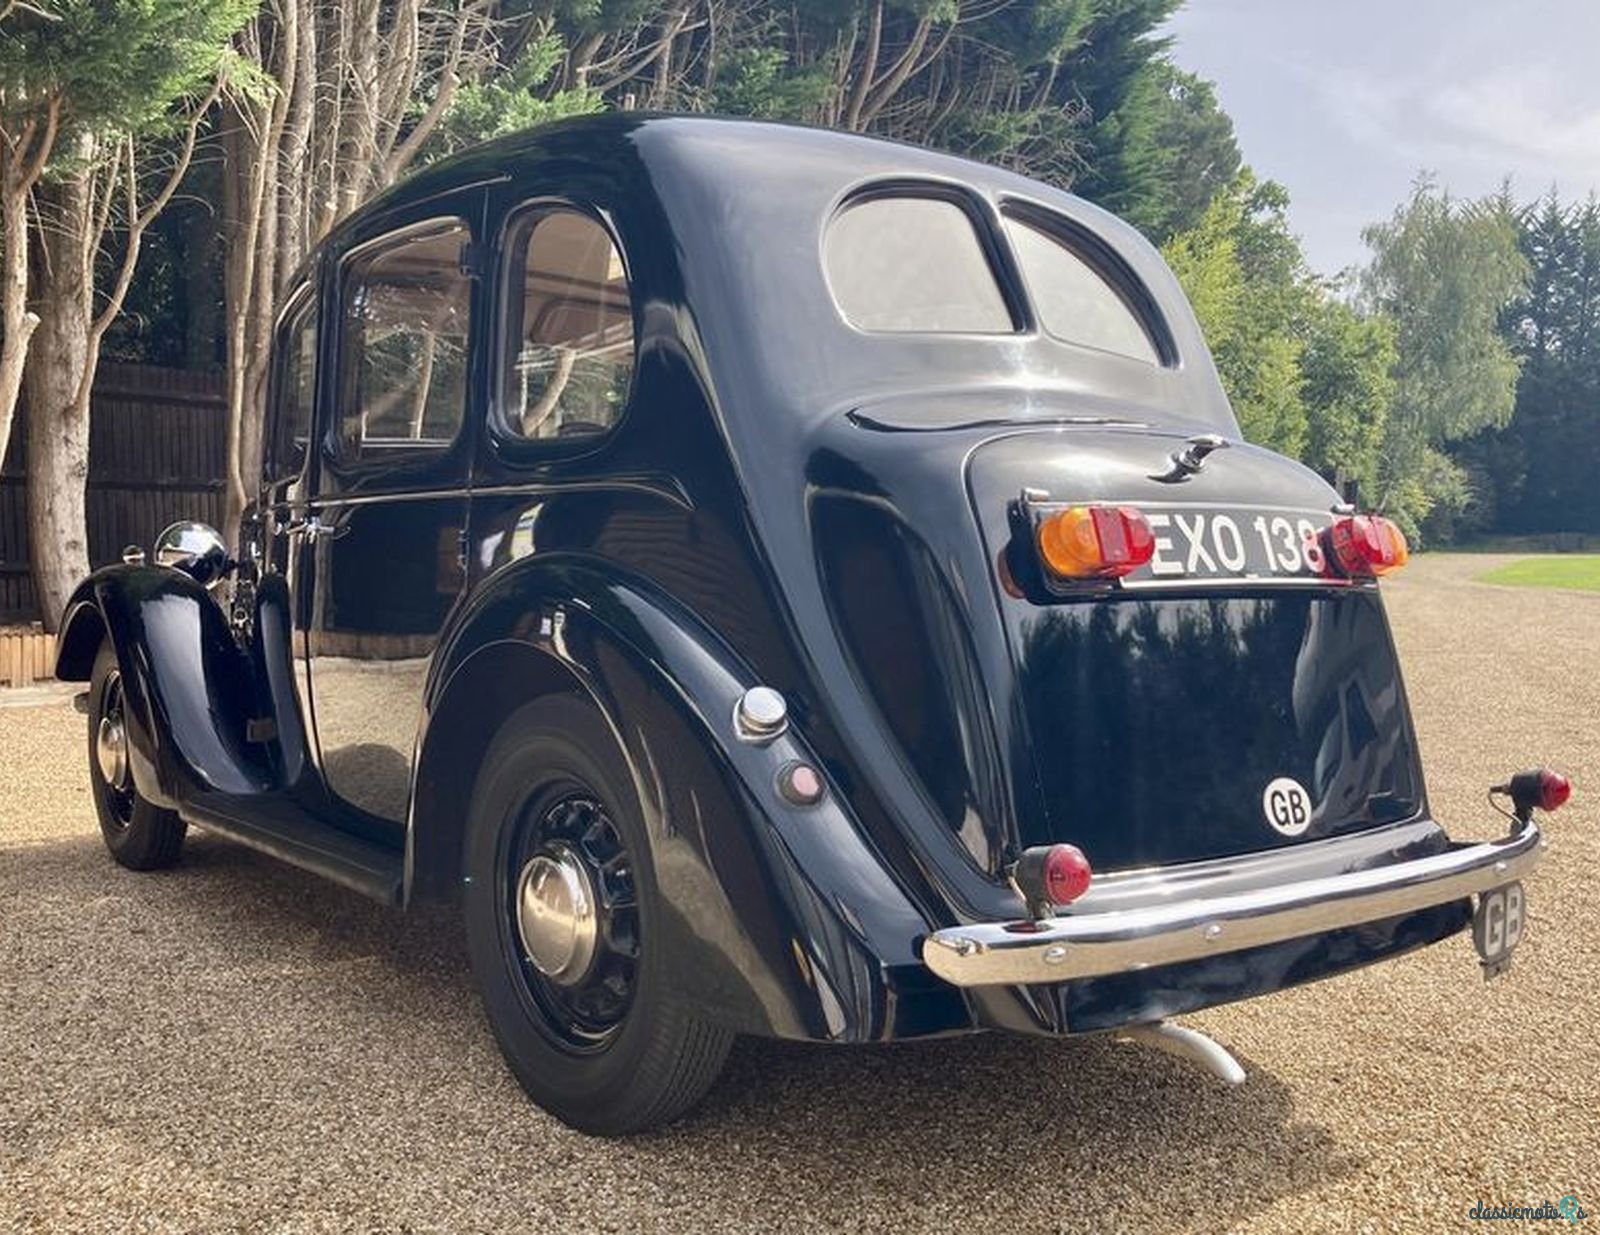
[(1522, 111), (1347, 102)]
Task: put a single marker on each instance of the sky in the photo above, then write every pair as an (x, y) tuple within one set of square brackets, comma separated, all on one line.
[(1344, 102)]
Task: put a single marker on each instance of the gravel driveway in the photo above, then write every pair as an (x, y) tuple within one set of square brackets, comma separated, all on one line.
[(237, 1045)]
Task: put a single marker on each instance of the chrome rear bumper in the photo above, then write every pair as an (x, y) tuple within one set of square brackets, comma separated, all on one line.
[(1088, 944)]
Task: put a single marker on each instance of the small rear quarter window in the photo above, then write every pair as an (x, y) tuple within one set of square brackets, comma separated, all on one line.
[(913, 264), (1075, 303)]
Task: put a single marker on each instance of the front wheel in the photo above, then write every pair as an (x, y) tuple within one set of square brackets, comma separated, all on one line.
[(563, 924), (139, 834)]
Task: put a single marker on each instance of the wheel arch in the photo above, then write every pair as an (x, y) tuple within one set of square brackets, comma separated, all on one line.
[(186, 729), (784, 919), (82, 631)]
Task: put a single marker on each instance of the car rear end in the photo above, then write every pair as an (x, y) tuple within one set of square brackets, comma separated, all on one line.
[(1055, 617), (1232, 796)]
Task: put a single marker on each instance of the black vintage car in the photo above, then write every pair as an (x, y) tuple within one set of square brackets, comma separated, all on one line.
[(783, 583)]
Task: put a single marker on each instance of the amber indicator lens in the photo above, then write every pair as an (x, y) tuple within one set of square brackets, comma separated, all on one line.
[(1367, 545), (1096, 542)]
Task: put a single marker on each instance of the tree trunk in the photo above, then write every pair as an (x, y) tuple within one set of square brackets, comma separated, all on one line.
[(17, 323), (58, 403)]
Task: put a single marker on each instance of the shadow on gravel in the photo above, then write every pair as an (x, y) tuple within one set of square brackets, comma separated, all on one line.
[(1095, 1133), (1101, 1129)]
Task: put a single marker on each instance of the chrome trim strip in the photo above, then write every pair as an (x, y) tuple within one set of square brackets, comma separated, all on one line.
[(665, 488), (1244, 583), (1086, 945)]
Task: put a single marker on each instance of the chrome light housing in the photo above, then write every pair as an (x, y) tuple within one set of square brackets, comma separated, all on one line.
[(197, 549)]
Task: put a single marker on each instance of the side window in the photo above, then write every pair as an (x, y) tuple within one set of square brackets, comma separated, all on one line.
[(570, 329), (294, 394), (403, 358), (912, 264), (1074, 301)]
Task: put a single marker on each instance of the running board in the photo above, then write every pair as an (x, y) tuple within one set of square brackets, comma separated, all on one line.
[(284, 831), (1190, 1044)]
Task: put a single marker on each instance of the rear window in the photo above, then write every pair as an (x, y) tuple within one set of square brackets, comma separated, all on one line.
[(913, 264), (1074, 301)]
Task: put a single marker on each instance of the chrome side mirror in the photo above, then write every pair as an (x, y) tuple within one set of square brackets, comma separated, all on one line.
[(196, 549)]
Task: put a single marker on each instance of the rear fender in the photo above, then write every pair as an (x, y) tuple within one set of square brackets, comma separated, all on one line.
[(782, 919), (189, 689)]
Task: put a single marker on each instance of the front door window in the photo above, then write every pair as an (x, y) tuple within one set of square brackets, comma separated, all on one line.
[(404, 355)]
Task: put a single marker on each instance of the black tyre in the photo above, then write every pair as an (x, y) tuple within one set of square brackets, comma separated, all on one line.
[(140, 835), (563, 923)]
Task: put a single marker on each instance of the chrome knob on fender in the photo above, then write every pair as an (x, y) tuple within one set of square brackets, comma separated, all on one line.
[(760, 715)]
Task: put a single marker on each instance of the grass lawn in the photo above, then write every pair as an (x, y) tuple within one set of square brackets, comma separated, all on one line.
[(1564, 570)]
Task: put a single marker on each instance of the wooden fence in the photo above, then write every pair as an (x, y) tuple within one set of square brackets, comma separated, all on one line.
[(157, 450), (27, 655)]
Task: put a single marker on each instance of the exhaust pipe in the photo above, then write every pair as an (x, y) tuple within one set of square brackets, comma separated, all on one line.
[(1188, 1044)]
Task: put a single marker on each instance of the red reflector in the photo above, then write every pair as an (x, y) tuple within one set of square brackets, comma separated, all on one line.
[(1066, 874), (1096, 542), (1539, 787), (1367, 545), (1554, 789)]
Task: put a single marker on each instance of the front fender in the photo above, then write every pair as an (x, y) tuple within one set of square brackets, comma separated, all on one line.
[(189, 689), (785, 921)]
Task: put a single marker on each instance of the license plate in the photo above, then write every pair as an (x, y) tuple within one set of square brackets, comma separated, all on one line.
[(1197, 545), (1497, 927)]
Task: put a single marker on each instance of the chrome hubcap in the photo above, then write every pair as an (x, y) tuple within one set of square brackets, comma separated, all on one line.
[(572, 925), (111, 739), (556, 917)]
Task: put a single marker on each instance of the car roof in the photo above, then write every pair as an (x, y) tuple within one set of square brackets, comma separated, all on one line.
[(747, 152)]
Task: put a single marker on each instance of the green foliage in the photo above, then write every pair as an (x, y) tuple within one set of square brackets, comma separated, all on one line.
[(1195, 143), (1541, 469), (1348, 370), (1160, 145), (115, 66), (1445, 270), (510, 100), (761, 81), (1245, 276)]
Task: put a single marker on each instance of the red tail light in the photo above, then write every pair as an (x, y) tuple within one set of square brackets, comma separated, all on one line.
[(1048, 875), (1066, 874), (1096, 542), (1367, 545), (1540, 787)]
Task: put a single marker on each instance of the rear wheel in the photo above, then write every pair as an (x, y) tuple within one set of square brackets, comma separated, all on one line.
[(139, 834), (562, 918)]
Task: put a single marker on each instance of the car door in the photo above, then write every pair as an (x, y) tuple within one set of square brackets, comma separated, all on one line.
[(384, 541)]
